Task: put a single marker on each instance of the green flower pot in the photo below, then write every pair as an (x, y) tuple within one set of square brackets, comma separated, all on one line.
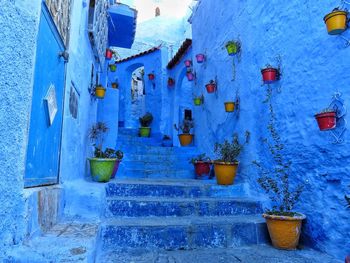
[(197, 101), (112, 67), (101, 169), (231, 48), (145, 131)]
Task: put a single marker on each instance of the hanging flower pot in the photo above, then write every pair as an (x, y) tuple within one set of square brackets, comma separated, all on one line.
[(112, 67), (336, 21), (171, 82), (326, 120), (211, 86), (151, 76), (109, 53), (270, 74), (200, 58), (232, 47), (188, 63), (229, 106), (100, 92), (190, 76), (114, 85), (198, 100)]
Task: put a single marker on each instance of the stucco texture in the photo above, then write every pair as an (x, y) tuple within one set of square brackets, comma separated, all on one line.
[(19, 24), (314, 66)]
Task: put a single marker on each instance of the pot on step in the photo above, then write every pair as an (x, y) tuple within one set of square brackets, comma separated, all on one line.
[(145, 131), (225, 172), (185, 139), (101, 169)]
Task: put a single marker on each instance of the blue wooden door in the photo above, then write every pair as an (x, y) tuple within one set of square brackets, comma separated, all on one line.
[(43, 152)]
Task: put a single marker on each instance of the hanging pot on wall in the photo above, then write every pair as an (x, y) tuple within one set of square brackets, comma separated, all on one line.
[(151, 76), (229, 106), (326, 120), (171, 82), (109, 53), (211, 86), (190, 76), (114, 85), (336, 21), (232, 47), (100, 92), (200, 58), (270, 75), (197, 101), (188, 63), (112, 67)]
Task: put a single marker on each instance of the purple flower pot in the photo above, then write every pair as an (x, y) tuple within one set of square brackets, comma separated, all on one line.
[(190, 76), (200, 58), (115, 169), (188, 63)]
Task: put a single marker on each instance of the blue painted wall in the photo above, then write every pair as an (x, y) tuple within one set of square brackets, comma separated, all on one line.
[(314, 66), (19, 21)]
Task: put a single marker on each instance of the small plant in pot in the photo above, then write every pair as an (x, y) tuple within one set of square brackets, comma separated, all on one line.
[(226, 165), (185, 137), (270, 74), (145, 122), (326, 119), (211, 86), (201, 165), (105, 163), (167, 141), (283, 223)]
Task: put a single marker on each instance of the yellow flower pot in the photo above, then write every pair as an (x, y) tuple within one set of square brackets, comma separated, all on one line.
[(336, 22), (185, 139), (100, 92), (225, 173), (229, 106), (284, 230)]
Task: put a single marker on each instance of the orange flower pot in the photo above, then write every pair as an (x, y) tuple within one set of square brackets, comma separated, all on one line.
[(185, 139), (336, 22), (100, 92), (225, 173), (229, 106), (284, 230)]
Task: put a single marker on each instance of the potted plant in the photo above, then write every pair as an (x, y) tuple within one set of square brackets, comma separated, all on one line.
[(326, 119), (171, 82), (145, 122), (270, 74), (198, 100), (100, 91), (167, 141), (229, 106), (233, 47), (211, 86), (114, 85), (112, 67), (201, 165), (188, 63), (109, 53), (189, 74), (186, 126), (200, 58), (103, 164), (151, 76), (284, 224), (226, 165), (336, 21)]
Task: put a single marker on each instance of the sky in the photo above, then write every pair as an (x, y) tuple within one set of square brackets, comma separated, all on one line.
[(168, 8)]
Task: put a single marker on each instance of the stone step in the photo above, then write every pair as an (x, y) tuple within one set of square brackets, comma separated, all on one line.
[(155, 174), (184, 232), (174, 188), (149, 157), (164, 207)]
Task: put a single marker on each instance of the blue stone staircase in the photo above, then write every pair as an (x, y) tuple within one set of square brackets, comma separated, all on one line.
[(156, 203)]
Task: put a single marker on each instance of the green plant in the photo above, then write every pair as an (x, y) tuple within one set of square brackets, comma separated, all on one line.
[(200, 158), (229, 151), (146, 120), (108, 153), (274, 176), (186, 126)]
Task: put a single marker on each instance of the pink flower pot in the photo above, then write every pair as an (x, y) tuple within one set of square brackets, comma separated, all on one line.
[(200, 58)]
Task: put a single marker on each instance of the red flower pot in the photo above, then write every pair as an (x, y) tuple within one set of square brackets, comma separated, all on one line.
[(270, 75), (200, 58), (171, 82), (151, 76), (109, 53), (211, 87), (188, 63), (201, 168), (326, 120)]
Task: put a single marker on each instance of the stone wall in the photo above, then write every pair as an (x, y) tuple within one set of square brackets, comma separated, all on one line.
[(314, 66)]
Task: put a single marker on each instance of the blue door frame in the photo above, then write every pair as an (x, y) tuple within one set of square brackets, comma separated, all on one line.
[(43, 152)]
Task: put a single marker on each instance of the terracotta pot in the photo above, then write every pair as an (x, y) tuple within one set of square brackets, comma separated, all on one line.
[(225, 173), (326, 120), (151, 76), (336, 22), (211, 87), (188, 63), (100, 92), (270, 75), (185, 139), (200, 58), (229, 106), (109, 53), (171, 82), (201, 168), (114, 85), (284, 230)]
